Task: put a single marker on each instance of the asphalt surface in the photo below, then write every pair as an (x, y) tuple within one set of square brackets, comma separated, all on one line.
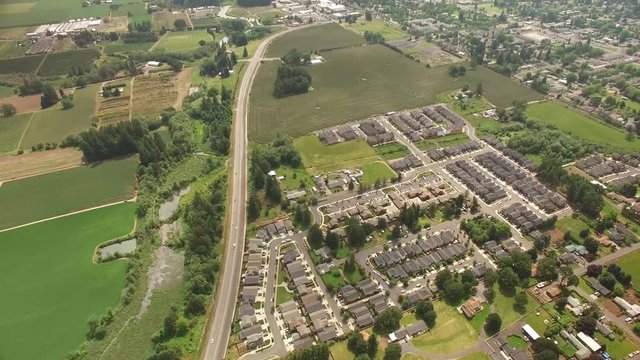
[(219, 330)]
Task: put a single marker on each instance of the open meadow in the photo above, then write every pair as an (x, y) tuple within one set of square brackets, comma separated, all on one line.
[(318, 158), (358, 82), (582, 126), (54, 285), (40, 197), (24, 13), (54, 124), (182, 40), (322, 37)]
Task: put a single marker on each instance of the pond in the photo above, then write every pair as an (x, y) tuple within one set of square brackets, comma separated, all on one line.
[(168, 208), (122, 248)]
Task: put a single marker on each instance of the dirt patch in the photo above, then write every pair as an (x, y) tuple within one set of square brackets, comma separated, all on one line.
[(183, 84), (169, 207), (612, 307), (117, 24), (167, 231), (165, 273), (38, 163), (556, 236), (23, 104)]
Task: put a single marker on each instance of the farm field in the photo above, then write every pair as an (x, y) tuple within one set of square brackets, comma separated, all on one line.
[(66, 191), (388, 32), (54, 124), (11, 130), (61, 63), (630, 263), (318, 158), (16, 14), (114, 108), (452, 333), (358, 82), (134, 9), (582, 126), (21, 65), (183, 40), (166, 19), (118, 47), (322, 37), (9, 49), (37, 163), (54, 293), (23, 104), (153, 93)]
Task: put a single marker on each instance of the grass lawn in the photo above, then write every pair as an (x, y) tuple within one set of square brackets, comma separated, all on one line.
[(11, 130), (282, 295), (182, 40), (478, 320), (618, 348), (443, 141), (517, 342), (410, 356), (630, 263), (536, 321), (574, 225), (293, 178), (318, 158), (582, 126), (57, 193), (582, 284), (340, 350), (323, 37), (389, 32), (466, 106), (504, 307), (391, 151), (475, 356), (408, 318), (358, 82), (376, 171), (54, 124), (333, 279), (59, 287), (452, 333)]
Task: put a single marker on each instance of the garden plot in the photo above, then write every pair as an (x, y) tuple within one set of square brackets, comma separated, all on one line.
[(153, 93), (115, 108)]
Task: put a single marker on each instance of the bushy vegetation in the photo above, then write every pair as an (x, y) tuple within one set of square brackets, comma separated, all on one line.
[(291, 80), (482, 229)]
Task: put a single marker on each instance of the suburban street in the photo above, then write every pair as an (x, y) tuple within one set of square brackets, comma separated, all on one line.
[(219, 329)]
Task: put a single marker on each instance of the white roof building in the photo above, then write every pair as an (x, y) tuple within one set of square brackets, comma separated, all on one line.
[(589, 342), (632, 310), (532, 334)]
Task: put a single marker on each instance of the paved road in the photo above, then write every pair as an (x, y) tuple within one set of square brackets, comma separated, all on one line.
[(217, 338)]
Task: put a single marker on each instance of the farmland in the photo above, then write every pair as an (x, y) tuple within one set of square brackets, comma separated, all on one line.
[(61, 63), (183, 40), (115, 108), (45, 11), (358, 82), (36, 163), (54, 287), (21, 65), (118, 47), (166, 19), (153, 93), (329, 36), (129, 9), (54, 124), (582, 126), (11, 130), (66, 191), (388, 32)]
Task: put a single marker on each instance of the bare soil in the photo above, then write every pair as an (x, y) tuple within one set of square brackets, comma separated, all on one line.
[(38, 163), (23, 104)]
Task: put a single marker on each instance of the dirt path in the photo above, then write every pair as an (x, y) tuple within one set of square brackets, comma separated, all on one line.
[(189, 19), (183, 84), (131, 99), (67, 214), (26, 128), (157, 42)]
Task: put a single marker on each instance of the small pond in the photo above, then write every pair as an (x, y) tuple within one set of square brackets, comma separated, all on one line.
[(122, 248)]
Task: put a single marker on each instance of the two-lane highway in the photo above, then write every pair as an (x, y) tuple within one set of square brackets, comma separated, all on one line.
[(217, 337)]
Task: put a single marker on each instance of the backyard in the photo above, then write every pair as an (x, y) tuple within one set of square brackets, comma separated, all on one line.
[(452, 333)]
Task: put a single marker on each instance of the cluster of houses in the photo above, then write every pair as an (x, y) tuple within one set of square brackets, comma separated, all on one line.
[(363, 311), (437, 154), (349, 294), (476, 181), (337, 181), (408, 331), (502, 168), (415, 258), (274, 229), (522, 217), (253, 328), (405, 164), (427, 123), (511, 154), (311, 316), (599, 166), (500, 250), (534, 191), (376, 133)]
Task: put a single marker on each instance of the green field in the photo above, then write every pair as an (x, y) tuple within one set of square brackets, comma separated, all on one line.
[(517, 342), (11, 130), (62, 63), (323, 37), (9, 49), (23, 13), (118, 47), (54, 124), (58, 193), (582, 126), (452, 333), (358, 82), (388, 32), (391, 151), (376, 171), (630, 263), (21, 65), (293, 178), (133, 9), (572, 225), (504, 307), (54, 285), (183, 40), (443, 141), (478, 319), (318, 158)]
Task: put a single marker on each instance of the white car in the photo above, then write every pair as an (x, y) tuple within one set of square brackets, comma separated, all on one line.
[(628, 320)]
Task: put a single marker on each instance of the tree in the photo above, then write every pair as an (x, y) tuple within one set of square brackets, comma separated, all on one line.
[(67, 103), (586, 324), (245, 53), (49, 97), (608, 280), (520, 301), (508, 279), (551, 170), (479, 89), (332, 240), (372, 345), (170, 324), (253, 207), (393, 352), (521, 263), (594, 270), (454, 291), (7, 110), (425, 312), (315, 237), (546, 355), (362, 357), (492, 324), (396, 233), (561, 303), (490, 278), (442, 277), (356, 343), (180, 24), (388, 321), (591, 245), (368, 16), (547, 269)]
